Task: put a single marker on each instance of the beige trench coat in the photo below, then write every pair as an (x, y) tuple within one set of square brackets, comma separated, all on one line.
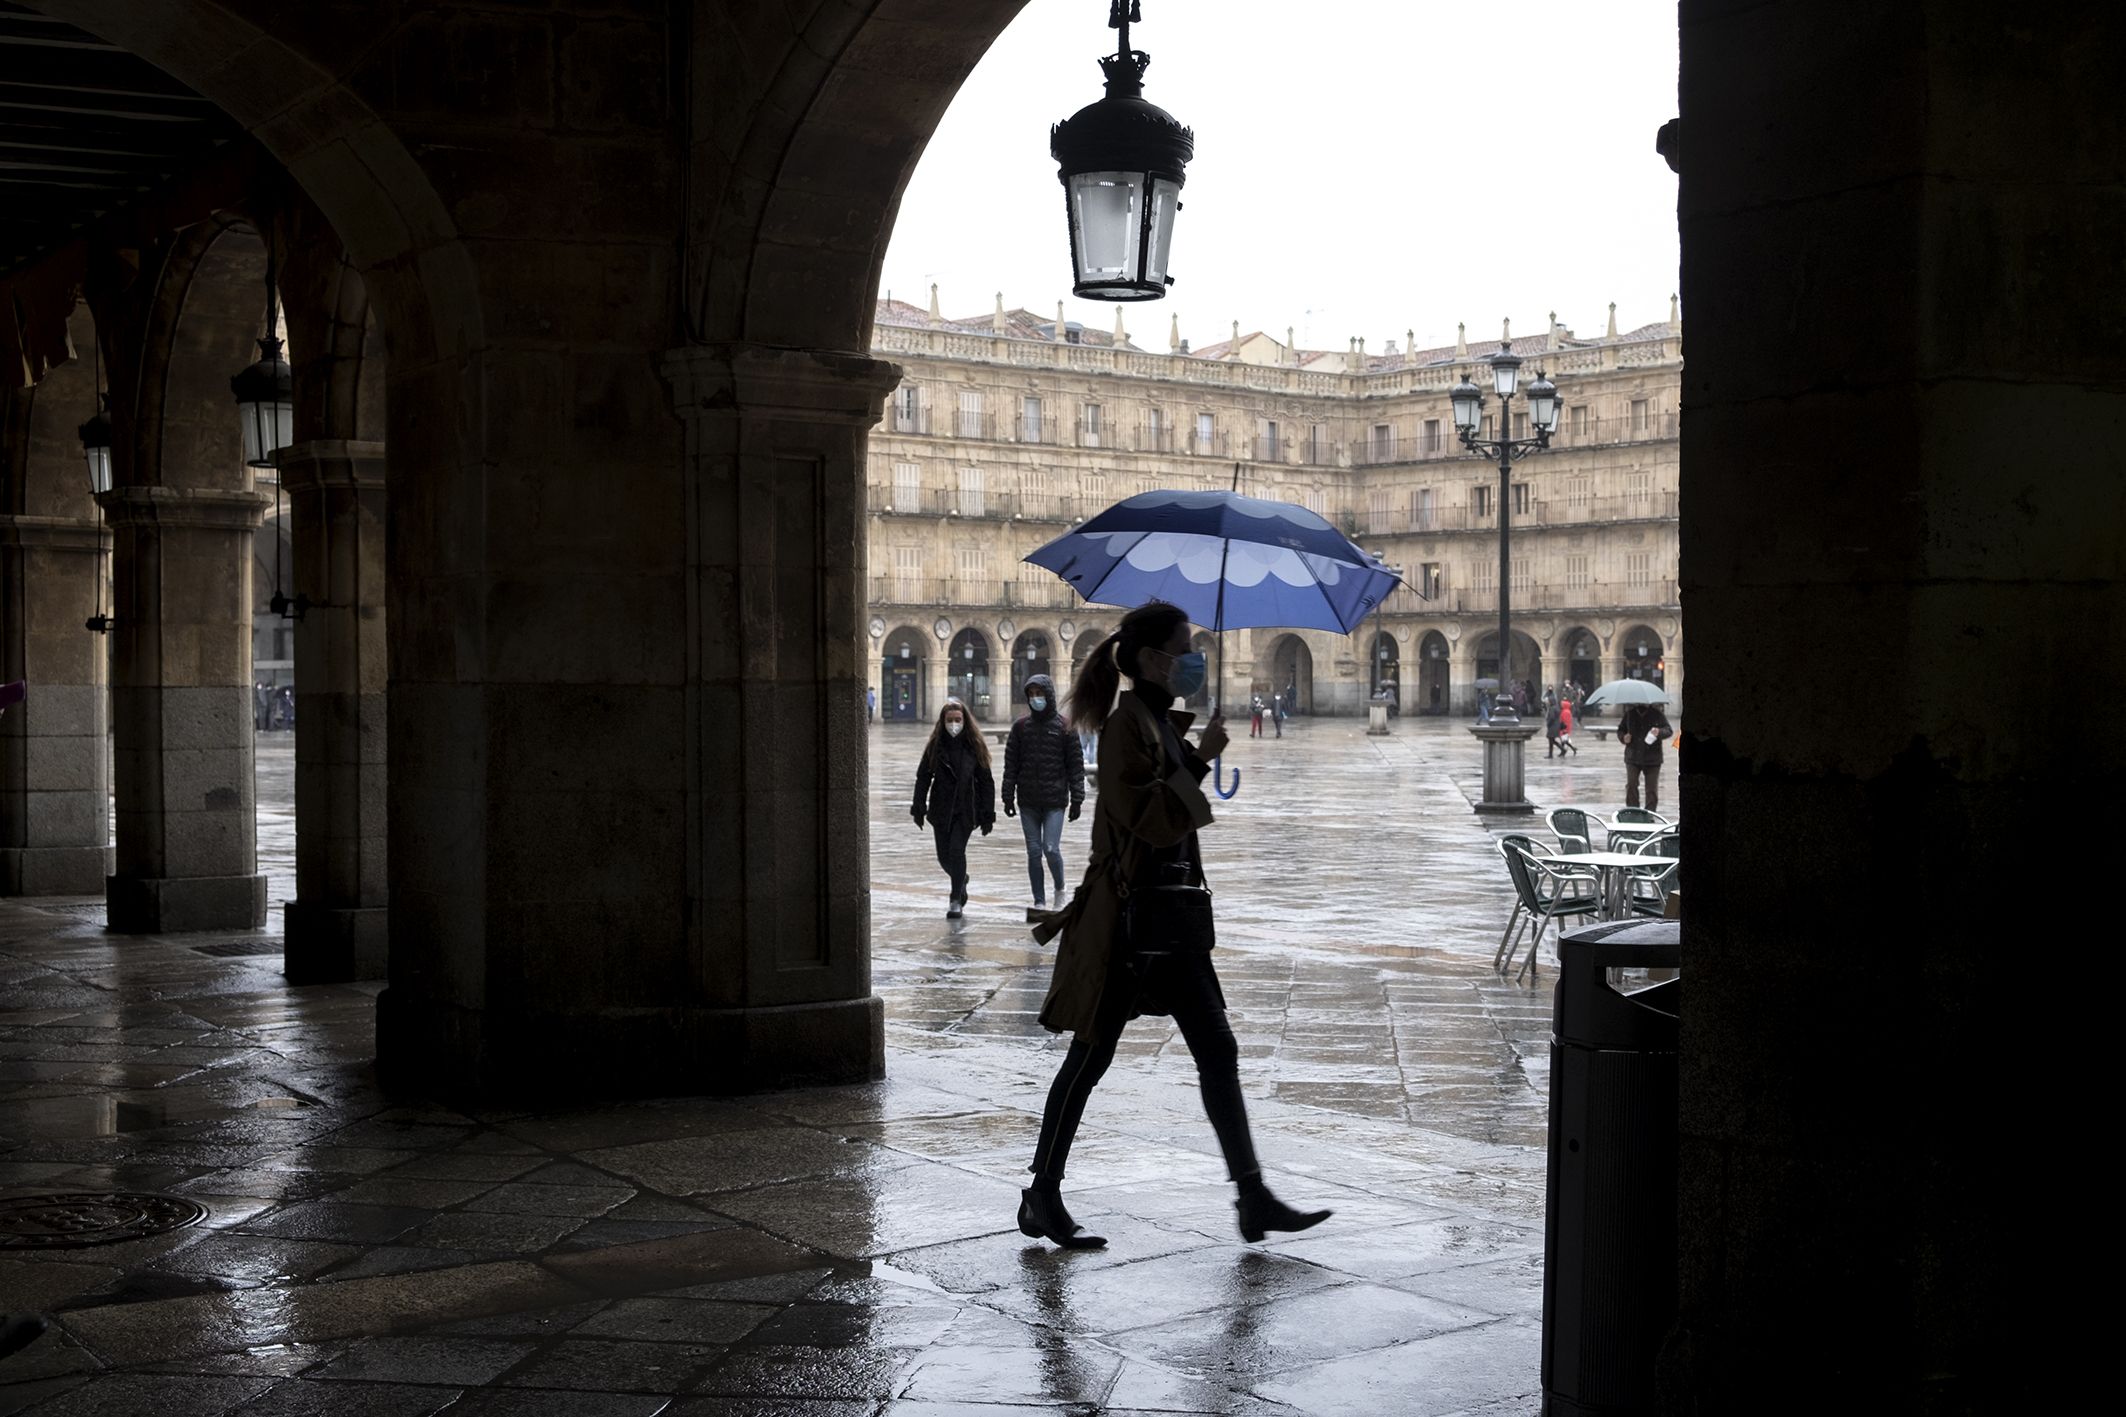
[(1139, 808)]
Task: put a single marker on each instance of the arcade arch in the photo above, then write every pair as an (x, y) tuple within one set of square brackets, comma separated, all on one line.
[(967, 673), (1032, 652), (1581, 658), (1526, 666), (1435, 682), (1385, 663), (1641, 654), (903, 695), (1292, 672)]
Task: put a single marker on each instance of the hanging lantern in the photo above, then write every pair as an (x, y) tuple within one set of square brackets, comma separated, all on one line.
[(265, 399), (1468, 402), (96, 449), (1122, 161)]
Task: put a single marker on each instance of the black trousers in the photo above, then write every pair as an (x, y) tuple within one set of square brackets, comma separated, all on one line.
[(1651, 774), (1187, 987), (952, 853)]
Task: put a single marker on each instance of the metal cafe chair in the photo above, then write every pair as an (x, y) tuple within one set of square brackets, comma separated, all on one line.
[(1569, 826), (1639, 816), (1546, 890), (1647, 889)]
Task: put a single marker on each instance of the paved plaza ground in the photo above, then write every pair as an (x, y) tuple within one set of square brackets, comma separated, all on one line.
[(841, 1251)]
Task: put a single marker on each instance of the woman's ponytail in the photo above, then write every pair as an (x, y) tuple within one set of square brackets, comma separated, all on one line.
[(1092, 692)]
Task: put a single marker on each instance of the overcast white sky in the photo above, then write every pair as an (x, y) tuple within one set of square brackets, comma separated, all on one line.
[(1362, 167)]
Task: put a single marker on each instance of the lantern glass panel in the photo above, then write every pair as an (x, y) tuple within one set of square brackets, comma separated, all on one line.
[(1506, 375), (269, 426), (1107, 221), (99, 465), (1166, 200), (1543, 405), (1468, 408)]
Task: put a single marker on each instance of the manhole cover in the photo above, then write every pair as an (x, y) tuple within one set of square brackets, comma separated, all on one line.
[(62, 1220)]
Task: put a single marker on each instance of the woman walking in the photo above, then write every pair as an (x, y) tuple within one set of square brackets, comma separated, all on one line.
[(1565, 722), (955, 791), (1121, 958)]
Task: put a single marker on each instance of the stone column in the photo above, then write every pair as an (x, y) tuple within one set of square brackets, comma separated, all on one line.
[(55, 767), (336, 923), (778, 839), (187, 854)]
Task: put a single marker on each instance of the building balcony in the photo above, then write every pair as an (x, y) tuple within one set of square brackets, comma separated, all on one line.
[(1538, 514), (974, 506), (950, 593), (1555, 598)]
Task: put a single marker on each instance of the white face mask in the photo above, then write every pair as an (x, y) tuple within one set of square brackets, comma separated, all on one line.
[(953, 728), (1037, 703)]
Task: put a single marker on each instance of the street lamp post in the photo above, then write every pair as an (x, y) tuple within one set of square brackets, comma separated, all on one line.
[(1504, 736)]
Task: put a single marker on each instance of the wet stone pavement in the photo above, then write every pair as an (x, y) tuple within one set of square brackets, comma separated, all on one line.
[(840, 1251)]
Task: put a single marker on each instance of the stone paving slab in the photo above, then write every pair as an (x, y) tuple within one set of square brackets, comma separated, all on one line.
[(841, 1250)]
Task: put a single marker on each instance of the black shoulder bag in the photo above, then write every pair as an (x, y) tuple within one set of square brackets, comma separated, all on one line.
[(1172, 914)]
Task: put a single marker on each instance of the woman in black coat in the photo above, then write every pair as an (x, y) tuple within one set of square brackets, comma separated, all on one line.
[(956, 792)]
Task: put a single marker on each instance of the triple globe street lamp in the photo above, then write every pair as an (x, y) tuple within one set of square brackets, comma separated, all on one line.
[(1468, 401)]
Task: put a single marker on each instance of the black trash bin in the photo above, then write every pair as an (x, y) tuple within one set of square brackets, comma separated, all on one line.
[(1609, 1229)]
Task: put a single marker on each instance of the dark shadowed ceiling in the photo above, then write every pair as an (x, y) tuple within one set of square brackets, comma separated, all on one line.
[(84, 128)]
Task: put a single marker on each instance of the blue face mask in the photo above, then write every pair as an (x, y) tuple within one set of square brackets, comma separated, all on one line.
[(1037, 704), (1190, 670)]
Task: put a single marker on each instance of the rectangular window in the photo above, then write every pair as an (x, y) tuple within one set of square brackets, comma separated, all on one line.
[(974, 565), (1377, 512), (908, 409), (1421, 509), (1488, 425), (1638, 415), (1318, 444), (1317, 502), (1380, 445), (1096, 490), (1268, 446), (1431, 580), (972, 503), (1029, 419), (971, 413), (1520, 571), (1480, 499), (1481, 575), (907, 487), (907, 574), (1089, 427), (1520, 425), (1576, 571), (1639, 486), (1206, 434), (1520, 499), (1579, 421), (1155, 432), (1433, 443), (1579, 490), (1639, 567)]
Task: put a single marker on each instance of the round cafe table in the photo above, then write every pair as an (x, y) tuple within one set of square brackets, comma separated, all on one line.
[(1613, 867)]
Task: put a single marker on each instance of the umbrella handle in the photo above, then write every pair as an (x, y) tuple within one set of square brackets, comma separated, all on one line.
[(1225, 793)]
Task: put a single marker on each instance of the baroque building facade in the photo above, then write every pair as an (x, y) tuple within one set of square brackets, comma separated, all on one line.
[(1008, 429)]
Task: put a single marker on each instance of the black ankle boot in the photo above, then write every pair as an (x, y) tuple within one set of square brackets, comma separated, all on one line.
[(1261, 1212), (1043, 1215)]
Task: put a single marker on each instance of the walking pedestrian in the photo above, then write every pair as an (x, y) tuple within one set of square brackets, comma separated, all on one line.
[(955, 792), (870, 705), (1565, 722), (1277, 713), (1044, 776), (1641, 729), (1255, 717), (1550, 724), (1136, 937)]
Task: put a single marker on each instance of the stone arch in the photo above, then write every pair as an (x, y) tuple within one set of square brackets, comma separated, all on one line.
[(843, 113), (903, 687), (1526, 664), (1291, 671), (969, 671), (1580, 658), (1384, 668), (46, 475), (1641, 653), (1435, 677), (1033, 651)]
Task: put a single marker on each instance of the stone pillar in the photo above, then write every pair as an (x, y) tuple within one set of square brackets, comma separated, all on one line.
[(778, 838), (55, 767), (336, 923), (187, 853)]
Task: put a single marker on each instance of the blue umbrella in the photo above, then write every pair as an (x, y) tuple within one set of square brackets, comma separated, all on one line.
[(1229, 562)]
